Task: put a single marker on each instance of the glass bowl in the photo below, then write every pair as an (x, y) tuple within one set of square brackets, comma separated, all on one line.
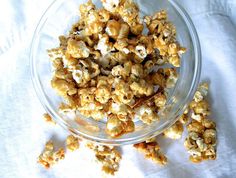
[(57, 20)]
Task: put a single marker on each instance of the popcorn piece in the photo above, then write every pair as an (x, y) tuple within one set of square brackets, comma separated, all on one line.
[(201, 92), (109, 157), (96, 113), (77, 49), (86, 96), (123, 93), (48, 157), (162, 15), (136, 28), (122, 45), (184, 118), (152, 151), (119, 109), (172, 77), (142, 88), (48, 118), (69, 61), (86, 8), (175, 131), (209, 136), (114, 126), (79, 76), (158, 78), (137, 70), (129, 126), (72, 143), (124, 31), (110, 5), (118, 71), (128, 11), (94, 23), (195, 126), (63, 73), (104, 15), (209, 124), (104, 45), (160, 100), (113, 28), (63, 87), (140, 50), (84, 72), (201, 109), (59, 154), (102, 94), (174, 60), (146, 114), (63, 108), (55, 53)]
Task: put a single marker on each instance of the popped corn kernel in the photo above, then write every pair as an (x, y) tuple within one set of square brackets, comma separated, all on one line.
[(140, 50), (102, 94), (113, 28), (137, 70), (86, 7), (104, 15), (48, 118), (128, 11), (109, 157), (49, 157), (110, 5), (119, 109), (184, 118), (142, 88), (158, 79), (146, 114), (201, 92), (152, 151), (63, 87), (72, 143), (160, 100), (77, 49), (114, 127), (175, 131), (104, 45), (172, 77)]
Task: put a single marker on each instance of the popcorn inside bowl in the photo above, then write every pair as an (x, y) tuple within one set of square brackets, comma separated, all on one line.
[(108, 69)]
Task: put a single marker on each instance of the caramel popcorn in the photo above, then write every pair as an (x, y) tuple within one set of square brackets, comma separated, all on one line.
[(109, 157), (48, 118), (202, 138), (151, 150), (49, 157), (77, 49), (184, 118), (106, 67), (175, 131), (146, 114), (72, 143), (117, 125)]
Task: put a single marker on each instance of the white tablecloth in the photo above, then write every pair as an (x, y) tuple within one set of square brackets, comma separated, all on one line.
[(23, 132)]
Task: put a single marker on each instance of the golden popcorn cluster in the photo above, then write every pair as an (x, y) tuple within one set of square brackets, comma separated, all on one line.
[(108, 65)]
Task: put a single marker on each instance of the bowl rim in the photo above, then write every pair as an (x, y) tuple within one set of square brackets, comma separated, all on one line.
[(117, 141)]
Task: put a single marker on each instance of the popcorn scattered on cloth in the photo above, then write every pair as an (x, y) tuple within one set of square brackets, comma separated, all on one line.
[(21, 111)]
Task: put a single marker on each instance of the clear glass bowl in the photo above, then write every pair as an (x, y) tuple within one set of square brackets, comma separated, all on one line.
[(57, 20)]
